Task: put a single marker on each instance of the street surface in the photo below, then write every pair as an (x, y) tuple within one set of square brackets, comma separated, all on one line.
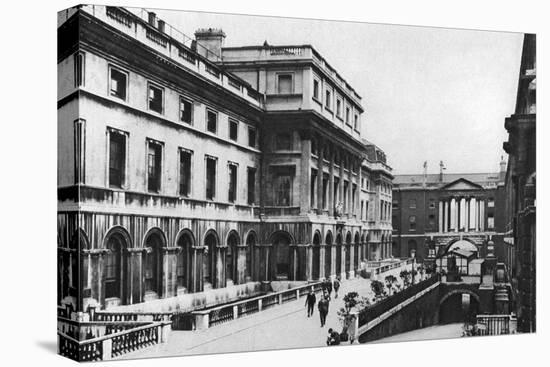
[(432, 332), (282, 327)]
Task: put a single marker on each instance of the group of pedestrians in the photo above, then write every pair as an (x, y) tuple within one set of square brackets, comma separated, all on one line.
[(323, 305)]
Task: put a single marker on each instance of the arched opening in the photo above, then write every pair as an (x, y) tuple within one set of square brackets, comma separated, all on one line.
[(250, 243), (209, 260), (328, 254), (338, 254), (231, 258), (280, 265), (316, 252), (185, 243), (348, 253), (459, 307), (115, 264), (356, 252), (153, 263)]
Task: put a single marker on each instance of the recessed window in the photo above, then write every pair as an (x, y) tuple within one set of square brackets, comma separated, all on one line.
[(118, 81), (347, 115), (155, 98), (395, 204), (432, 204), (490, 221), (79, 64), (328, 99), (232, 192), (251, 137), (338, 107), (283, 187), (356, 122), (412, 204), (79, 151), (316, 89), (284, 83), (431, 221), (283, 142), (233, 129), (186, 111), (211, 121), (185, 172), (251, 185), (154, 165), (210, 177), (412, 223), (491, 203), (117, 158)]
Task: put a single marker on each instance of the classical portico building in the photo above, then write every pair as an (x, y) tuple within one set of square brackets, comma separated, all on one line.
[(190, 174), (432, 213)]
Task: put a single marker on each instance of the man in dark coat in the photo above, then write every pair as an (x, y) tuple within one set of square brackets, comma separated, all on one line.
[(329, 286), (323, 309), (310, 303)]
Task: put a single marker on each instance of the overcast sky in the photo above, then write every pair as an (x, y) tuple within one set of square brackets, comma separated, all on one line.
[(429, 94)]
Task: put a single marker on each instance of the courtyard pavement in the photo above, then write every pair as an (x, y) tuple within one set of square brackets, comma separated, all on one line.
[(282, 327)]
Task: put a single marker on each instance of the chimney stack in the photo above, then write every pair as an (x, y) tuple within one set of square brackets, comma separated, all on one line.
[(210, 42), (152, 18), (502, 173)]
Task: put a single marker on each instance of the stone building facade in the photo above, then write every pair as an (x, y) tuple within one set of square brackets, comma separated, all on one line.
[(431, 212), (520, 192), (189, 173)]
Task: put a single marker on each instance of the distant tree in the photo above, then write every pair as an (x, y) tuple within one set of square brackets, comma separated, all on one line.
[(378, 289), (405, 275), (422, 271), (390, 281)]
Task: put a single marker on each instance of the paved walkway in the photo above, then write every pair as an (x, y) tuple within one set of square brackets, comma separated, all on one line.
[(428, 333), (282, 327)]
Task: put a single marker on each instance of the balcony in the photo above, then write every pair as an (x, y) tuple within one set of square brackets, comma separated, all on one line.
[(281, 211)]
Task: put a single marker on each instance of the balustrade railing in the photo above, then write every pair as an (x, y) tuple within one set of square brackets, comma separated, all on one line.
[(120, 339), (131, 316), (496, 324), (372, 312)]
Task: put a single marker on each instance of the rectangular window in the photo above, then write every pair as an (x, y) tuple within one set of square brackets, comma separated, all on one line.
[(117, 159), (186, 111), (356, 122), (251, 137), (347, 115), (491, 203), (79, 69), (210, 177), (233, 129), (155, 98), (315, 89), (412, 223), (283, 142), (211, 121), (119, 82), (328, 100), (338, 107), (79, 151), (284, 84), (395, 204), (154, 166), (432, 204), (283, 187), (490, 222), (232, 192), (251, 185), (185, 172), (412, 204)]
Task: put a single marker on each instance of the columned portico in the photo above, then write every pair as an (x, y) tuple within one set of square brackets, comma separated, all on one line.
[(461, 214)]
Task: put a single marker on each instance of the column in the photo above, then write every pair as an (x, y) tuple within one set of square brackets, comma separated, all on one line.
[(453, 214), (457, 214), (331, 185), (462, 213), (320, 166), (446, 215), (440, 216), (341, 183), (472, 213), (305, 176), (482, 215), (358, 192), (350, 188), (476, 215)]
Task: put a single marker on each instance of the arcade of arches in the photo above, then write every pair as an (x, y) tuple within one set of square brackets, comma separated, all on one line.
[(121, 272)]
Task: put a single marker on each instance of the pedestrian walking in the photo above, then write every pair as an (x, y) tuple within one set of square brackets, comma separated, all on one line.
[(323, 305), (329, 286), (310, 303), (336, 287)]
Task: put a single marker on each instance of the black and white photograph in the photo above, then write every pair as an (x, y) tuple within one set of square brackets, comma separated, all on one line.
[(312, 183)]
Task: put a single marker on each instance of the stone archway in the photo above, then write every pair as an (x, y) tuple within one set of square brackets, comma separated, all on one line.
[(231, 257), (328, 254), (454, 307), (316, 255), (115, 267), (210, 276), (154, 242), (184, 274), (280, 264)]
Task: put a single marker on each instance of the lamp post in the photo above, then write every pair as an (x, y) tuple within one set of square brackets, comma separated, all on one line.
[(413, 255)]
